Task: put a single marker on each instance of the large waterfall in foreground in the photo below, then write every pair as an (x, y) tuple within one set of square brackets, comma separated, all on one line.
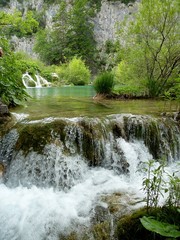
[(60, 171)]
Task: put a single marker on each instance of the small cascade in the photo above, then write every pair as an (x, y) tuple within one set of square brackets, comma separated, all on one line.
[(61, 169), (41, 82), (29, 82)]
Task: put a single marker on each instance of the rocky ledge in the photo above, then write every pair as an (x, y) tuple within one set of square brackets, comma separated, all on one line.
[(4, 113)]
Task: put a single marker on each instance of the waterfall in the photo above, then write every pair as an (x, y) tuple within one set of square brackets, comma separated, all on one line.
[(41, 82), (59, 170), (28, 81)]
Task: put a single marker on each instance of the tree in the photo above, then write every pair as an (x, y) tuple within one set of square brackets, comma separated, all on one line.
[(17, 24), (72, 34), (51, 44), (151, 45), (80, 33)]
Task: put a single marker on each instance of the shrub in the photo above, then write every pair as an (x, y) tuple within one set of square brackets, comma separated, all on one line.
[(104, 83), (11, 87), (61, 72), (77, 73)]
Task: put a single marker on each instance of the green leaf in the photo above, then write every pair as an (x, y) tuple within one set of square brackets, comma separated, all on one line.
[(164, 229)]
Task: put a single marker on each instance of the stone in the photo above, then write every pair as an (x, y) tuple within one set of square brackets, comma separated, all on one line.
[(2, 170), (3, 109)]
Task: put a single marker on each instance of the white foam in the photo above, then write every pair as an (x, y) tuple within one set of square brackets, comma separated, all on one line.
[(37, 213)]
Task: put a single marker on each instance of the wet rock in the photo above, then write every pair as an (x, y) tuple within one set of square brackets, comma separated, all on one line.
[(2, 170), (101, 214), (3, 109), (4, 113), (177, 116)]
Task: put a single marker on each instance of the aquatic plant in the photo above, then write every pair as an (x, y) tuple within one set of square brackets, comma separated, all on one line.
[(104, 83)]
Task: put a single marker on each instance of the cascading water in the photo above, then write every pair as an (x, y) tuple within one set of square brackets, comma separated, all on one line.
[(28, 81), (57, 170)]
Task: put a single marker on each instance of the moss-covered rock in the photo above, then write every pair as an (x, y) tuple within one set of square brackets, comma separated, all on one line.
[(36, 136), (130, 228)]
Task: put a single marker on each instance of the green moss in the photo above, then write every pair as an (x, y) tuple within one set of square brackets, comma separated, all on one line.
[(71, 236), (101, 231), (91, 134), (6, 123), (36, 136)]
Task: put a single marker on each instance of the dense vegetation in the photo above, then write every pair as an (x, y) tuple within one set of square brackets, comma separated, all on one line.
[(144, 59), (71, 35), (152, 50), (11, 87)]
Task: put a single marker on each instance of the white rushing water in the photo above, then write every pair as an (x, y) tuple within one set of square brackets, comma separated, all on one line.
[(43, 213)]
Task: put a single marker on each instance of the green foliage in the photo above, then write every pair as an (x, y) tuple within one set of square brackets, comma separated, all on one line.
[(151, 45), (62, 72), (11, 88), (77, 73), (128, 1), (130, 228), (4, 3), (123, 1), (164, 229), (40, 17), (104, 83), (80, 36), (174, 191), (153, 183), (72, 35), (17, 24), (128, 90)]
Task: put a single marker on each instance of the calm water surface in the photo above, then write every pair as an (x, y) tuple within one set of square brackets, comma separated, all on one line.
[(78, 101)]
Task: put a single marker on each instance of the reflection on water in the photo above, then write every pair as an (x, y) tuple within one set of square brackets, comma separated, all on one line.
[(78, 101)]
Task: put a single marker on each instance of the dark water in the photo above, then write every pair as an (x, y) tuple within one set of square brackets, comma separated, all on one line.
[(78, 101)]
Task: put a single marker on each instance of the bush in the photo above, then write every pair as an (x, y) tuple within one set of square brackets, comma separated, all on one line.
[(62, 74), (11, 87), (77, 73), (104, 83)]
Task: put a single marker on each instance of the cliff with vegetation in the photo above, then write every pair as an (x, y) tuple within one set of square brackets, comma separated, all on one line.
[(106, 15)]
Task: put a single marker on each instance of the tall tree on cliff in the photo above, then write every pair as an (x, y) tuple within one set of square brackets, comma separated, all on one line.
[(72, 34), (151, 46)]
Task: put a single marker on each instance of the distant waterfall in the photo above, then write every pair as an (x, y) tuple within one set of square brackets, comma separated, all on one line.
[(28, 81)]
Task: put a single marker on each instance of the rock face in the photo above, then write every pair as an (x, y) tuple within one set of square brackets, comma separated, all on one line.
[(106, 20), (24, 44)]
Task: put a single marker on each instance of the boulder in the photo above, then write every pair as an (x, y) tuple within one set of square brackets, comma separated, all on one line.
[(3, 109)]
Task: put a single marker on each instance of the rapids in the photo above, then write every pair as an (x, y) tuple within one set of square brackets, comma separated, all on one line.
[(57, 170)]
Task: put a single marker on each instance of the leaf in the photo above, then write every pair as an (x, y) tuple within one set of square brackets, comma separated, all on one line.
[(164, 229)]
